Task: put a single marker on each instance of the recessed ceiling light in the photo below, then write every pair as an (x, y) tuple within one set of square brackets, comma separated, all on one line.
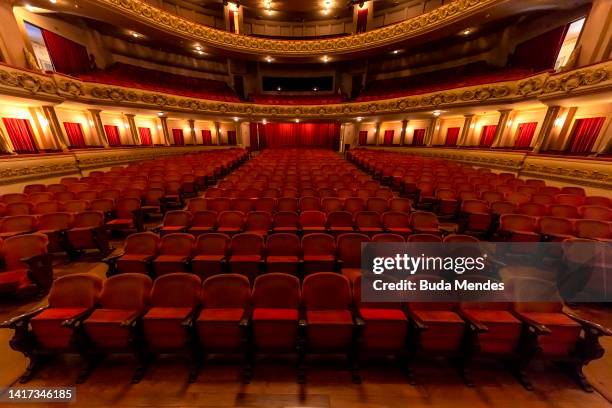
[(325, 58), (29, 8), (315, 89), (359, 119), (160, 113), (467, 31), (278, 88), (200, 52), (135, 34), (269, 59), (297, 121), (264, 122), (53, 1), (236, 119), (396, 51), (437, 113), (197, 47)]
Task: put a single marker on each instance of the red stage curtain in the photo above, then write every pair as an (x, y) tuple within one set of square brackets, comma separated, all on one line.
[(452, 136), (112, 134), (525, 134), (362, 20), (585, 134), (232, 24), (74, 131), (254, 142), (68, 56), (177, 135), (325, 135), (487, 135), (231, 137), (145, 136), (540, 53), (363, 137), (21, 135), (388, 137), (206, 137), (418, 138)]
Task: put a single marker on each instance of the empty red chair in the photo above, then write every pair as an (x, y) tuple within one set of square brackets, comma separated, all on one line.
[(475, 216), (354, 205), (446, 202), (54, 226), (34, 188), (27, 265), (174, 253), (400, 204), (340, 222), (533, 209), (369, 222), (104, 205), (285, 221), (75, 206), (319, 253), (287, 204), (385, 193), (518, 228), (564, 211), (499, 208), (243, 205), (230, 222), (593, 229), (570, 199), (424, 222), (492, 196), (517, 198), (112, 328), (246, 254), (197, 204), (87, 195), (15, 225), (595, 212), (330, 204), (41, 196), (579, 191), (597, 200), (283, 253), (174, 300), (13, 198), (555, 229), (219, 204), (310, 204), (459, 238), (258, 222), (140, 249), (327, 193), (210, 255), (544, 199), (128, 215), (175, 221), (203, 222), (377, 204), (19, 208), (329, 327), (265, 204), (64, 196), (87, 232), (349, 253), (271, 193), (425, 238), (56, 188), (396, 222), (388, 237), (312, 221), (214, 193), (113, 194)]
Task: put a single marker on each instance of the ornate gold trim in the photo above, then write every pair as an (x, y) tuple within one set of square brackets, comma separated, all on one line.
[(409, 28)]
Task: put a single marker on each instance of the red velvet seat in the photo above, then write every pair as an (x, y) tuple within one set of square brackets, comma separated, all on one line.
[(219, 204), (593, 229), (16, 225), (203, 222), (197, 204), (533, 209), (354, 205), (349, 253), (425, 238), (127, 215), (140, 249), (27, 267), (283, 253), (368, 222), (446, 204), (174, 253), (230, 222), (424, 222), (340, 222), (319, 253), (87, 232), (309, 203), (285, 221), (396, 222), (475, 216), (377, 204), (564, 211), (265, 204), (175, 221), (243, 205), (246, 254), (595, 212), (331, 204), (518, 228), (287, 204), (75, 206), (555, 229), (313, 221), (54, 226), (210, 255), (388, 237), (112, 328)]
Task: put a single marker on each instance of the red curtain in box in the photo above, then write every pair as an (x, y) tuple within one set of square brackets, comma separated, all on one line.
[(232, 23), (540, 53), (363, 137), (585, 134), (326, 135), (68, 56), (231, 137), (487, 135), (388, 137), (112, 134), (452, 136), (253, 139), (206, 137), (362, 20), (21, 135), (418, 137), (177, 135), (74, 131), (145, 136), (525, 135)]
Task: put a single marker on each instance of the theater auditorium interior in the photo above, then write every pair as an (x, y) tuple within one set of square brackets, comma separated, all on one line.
[(187, 189)]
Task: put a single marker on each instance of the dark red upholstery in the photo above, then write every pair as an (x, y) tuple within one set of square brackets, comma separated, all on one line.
[(319, 253), (174, 252), (210, 253), (246, 254), (283, 253), (140, 249)]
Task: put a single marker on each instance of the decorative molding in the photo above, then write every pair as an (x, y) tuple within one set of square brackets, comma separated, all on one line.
[(410, 28), (591, 79)]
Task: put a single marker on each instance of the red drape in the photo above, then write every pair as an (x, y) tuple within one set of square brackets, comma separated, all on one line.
[(74, 131), (487, 135), (177, 135), (452, 136), (388, 137), (525, 134), (68, 56), (418, 137), (206, 137), (231, 137), (145, 136), (301, 134), (363, 137), (112, 134), (261, 129), (362, 20), (21, 135), (232, 23), (585, 134), (254, 142), (540, 53)]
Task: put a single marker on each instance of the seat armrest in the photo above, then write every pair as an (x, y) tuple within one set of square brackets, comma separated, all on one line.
[(25, 317), (245, 319), (358, 321), (474, 324), (131, 321), (157, 228), (536, 327), (76, 320), (418, 323), (112, 258), (588, 325), (191, 317)]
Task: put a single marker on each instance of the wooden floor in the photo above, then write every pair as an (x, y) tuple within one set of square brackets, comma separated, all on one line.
[(329, 386)]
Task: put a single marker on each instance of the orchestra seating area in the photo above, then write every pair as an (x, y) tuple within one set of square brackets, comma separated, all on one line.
[(132, 76), (263, 256)]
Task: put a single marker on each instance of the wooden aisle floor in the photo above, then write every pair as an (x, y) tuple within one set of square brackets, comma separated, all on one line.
[(329, 386)]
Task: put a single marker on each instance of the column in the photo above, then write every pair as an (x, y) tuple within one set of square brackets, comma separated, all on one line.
[(403, 134), (133, 130), (164, 126), (564, 133), (431, 131), (38, 141), (547, 125), (218, 132), (466, 130), (504, 115), (192, 131), (56, 130), (596, 38), (377, 134), (239, 134), (98, 126), (5, 143)]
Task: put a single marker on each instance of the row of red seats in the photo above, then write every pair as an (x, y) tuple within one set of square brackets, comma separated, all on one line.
[(131, 315), (341, 190), (25, 265)]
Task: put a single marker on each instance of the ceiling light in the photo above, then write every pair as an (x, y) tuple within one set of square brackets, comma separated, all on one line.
[(135, 34), (53, 1), (297, 121), (29, 8), (325, 58), (269, 59), (232, 6), (315, 89), (200, 52), (236, 119), (558, 122), (359, 119), (396, 51), (278, 88), (437, 113), (265, 122), (197, 47), (467, 31), (160, 113)]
